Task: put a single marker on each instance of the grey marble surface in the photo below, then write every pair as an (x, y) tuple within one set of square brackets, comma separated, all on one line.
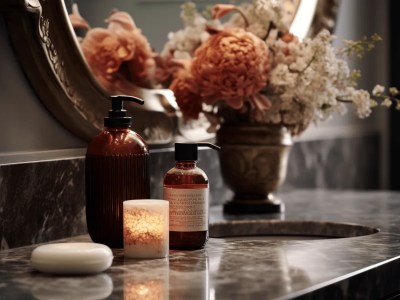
[(359, 267), (49, 194), (41, 201)]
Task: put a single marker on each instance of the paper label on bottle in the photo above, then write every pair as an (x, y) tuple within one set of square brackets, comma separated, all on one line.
[(188, 209)]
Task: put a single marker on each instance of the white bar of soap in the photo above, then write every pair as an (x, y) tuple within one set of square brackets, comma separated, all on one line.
[(72, 258)]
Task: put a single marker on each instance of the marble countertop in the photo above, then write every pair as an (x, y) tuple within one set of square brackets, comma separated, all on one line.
[(366, 266)]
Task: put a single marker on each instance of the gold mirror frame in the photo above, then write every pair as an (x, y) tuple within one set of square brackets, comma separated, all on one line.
[(46, 46)]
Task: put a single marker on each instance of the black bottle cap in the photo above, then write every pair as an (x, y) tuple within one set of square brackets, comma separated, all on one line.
[(188, 151), (117, 115)]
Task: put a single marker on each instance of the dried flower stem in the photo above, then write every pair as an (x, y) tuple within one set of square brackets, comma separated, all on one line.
[(343, 99), (358, 48), (270, 28), (306, 67), (243, 15)]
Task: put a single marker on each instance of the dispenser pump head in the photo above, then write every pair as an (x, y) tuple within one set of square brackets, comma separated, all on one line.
[(117, 115), (188, 151)]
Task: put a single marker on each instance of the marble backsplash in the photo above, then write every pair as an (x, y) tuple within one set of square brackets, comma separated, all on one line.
[(42, 201)]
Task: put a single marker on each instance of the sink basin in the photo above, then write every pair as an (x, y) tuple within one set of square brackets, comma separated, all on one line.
[(282, 230)]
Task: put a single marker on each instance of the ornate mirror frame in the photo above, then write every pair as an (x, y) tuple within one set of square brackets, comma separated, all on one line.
[(45, 44)]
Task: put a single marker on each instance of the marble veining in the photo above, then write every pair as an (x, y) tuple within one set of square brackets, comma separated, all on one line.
[(41, 201), (364, 266), (323, 163), (49, 195)]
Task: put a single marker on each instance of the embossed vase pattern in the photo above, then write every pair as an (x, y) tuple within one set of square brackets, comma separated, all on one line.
[(253, 162)]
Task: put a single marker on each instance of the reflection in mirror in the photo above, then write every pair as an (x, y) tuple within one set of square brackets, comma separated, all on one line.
[(53, 63), (52, 60), (124, 59)]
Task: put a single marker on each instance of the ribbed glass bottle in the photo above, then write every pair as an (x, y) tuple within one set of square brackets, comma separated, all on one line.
[(116, 170)]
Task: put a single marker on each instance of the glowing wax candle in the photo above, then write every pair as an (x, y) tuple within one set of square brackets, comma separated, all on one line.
[(146, 228)]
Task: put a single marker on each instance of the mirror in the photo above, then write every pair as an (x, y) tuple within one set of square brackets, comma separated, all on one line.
[(48, 50)]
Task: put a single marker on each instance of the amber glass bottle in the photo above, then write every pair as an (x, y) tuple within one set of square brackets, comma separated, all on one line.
[(116, 170), (186, 189)]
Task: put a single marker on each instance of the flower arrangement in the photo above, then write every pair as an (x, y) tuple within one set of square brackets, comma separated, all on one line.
[(248, 69), (120, 56)]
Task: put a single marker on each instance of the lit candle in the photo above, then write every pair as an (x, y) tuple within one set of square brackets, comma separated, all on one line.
[(146, 231)]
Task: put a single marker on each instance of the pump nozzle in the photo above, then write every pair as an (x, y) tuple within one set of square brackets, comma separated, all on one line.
[(188, 151), (117, 115), (117, 101), (209, 145)]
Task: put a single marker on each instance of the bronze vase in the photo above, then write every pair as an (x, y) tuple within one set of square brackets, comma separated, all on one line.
[(253, 161)]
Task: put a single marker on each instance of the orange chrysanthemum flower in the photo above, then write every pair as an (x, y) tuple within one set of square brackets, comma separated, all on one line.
[(77, 21), (188, 100), (142, 65), (231, 65), (104, 53)]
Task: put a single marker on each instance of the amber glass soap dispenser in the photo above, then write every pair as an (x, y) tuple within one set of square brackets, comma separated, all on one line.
[(186, 189), (116, 170)]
